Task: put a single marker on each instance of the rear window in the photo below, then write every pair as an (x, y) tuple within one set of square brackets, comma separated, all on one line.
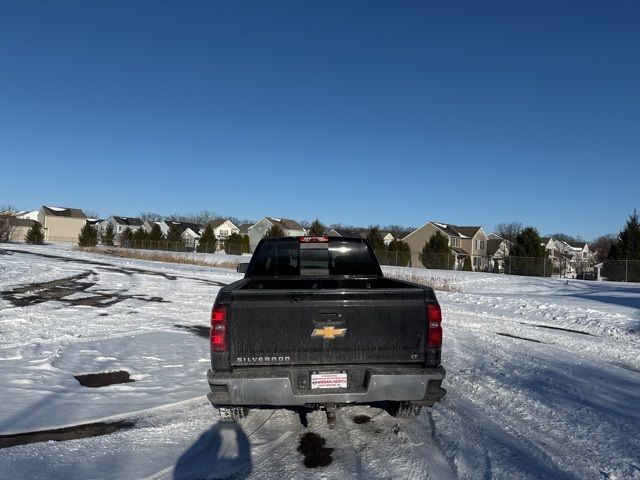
[(291, 258)]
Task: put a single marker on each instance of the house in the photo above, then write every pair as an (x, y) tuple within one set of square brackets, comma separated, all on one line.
[(578, 257), (191, 233), (61, 224), (147, 225), (222, 229), (244, 229), (497, 251), (28, 215), (13, 228), (120, 224), (549, 245), (291, 228), (388, 238), (464, 241)]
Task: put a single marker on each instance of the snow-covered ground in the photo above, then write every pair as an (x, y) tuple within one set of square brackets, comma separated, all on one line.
[(543, 380)]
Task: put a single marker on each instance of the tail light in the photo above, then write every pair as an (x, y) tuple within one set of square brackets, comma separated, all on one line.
[(434, 327), (219, 329)]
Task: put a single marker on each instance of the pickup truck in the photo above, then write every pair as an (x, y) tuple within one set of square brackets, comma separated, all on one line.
[(314, 325)]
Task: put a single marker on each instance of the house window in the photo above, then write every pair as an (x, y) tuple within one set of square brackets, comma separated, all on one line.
[(479, 244), (224, 233), (455, 242)]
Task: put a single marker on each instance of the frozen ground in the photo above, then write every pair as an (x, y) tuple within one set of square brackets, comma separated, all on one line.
[(543, 381)]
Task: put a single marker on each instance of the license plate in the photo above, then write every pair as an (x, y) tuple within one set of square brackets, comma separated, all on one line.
[(328, 380)]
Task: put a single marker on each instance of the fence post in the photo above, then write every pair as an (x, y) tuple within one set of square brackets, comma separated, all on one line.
[(626, 270), (544, 266), (509, 264)]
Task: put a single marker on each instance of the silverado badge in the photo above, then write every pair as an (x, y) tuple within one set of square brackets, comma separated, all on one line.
[(329, 332)]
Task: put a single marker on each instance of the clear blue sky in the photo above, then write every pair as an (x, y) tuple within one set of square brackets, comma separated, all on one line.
[(353, 112)]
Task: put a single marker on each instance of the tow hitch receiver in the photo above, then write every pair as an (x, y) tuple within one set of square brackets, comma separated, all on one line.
[(330, 409)]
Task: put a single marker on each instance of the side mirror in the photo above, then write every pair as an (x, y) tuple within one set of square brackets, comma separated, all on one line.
[(242, 267)]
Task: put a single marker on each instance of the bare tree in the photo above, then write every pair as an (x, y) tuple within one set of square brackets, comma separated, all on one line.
[(602, 245), (150, 216), (509, 230)]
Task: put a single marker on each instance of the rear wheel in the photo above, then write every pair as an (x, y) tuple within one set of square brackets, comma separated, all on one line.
[(233, 413), (403, 409)]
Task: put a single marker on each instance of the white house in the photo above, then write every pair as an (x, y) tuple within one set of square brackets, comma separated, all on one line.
[(120, 224), (291, 228), (223, 228), (388, 238)]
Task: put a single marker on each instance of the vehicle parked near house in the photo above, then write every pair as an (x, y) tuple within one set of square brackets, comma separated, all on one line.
[(315, 325)]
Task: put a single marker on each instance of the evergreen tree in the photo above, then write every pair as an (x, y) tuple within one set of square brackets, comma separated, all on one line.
[(399, 253), (35, 235), (233, 245), (207, 240), (317, 229), (466, 265), (274, 231), (107, 235), (529, 245), (125, 237), (246, 244), (155, 237), (625, 248), (175, 242), (140, 238), (88, 236), (436, 252), (375, 239)]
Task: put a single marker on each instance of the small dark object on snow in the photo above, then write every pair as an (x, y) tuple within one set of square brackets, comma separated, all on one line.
[(360, 419), (314, 451), (95, 380)]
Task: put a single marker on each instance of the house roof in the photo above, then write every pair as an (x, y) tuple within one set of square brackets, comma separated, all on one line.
[(128, 221), (21, 222), (244, 228), (216, 223), (63, 212), (493, 245), (346, 233), (457, 230), (576, 244), (285, 223), (94, 221), (460, 251)]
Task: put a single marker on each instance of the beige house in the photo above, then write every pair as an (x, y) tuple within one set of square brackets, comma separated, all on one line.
[(465, 241), (14, 228), (61, 224)]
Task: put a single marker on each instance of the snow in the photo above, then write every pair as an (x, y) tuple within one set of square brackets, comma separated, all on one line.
[(543, 380), (57, 209)]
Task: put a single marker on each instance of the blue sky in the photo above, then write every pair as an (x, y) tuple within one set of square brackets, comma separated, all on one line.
[(353, 112)]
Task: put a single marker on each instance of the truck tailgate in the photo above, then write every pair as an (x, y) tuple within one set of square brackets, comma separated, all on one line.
[(270, 327)]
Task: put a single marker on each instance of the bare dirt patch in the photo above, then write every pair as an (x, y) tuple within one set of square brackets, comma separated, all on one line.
[(314, 451), (66, 290), (96, 380), (67, 433)]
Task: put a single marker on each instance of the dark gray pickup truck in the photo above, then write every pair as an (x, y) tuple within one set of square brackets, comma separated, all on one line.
[(315, 325)]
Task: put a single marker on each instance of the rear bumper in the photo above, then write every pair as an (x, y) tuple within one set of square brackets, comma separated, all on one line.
[(274, 387)]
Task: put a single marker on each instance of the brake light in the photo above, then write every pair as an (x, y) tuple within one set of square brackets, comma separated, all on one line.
[(434, 327), (219, 329), (314, 239)]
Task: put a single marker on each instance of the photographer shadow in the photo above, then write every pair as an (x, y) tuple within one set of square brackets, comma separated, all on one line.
[(223, 451)]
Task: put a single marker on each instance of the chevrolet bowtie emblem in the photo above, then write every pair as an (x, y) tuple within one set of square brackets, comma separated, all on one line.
[(329, 333)]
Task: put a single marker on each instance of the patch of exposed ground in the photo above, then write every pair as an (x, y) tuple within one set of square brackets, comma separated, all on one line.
[(67, 433), (107, 267), (95, 380), (314, 451), (65, 289)]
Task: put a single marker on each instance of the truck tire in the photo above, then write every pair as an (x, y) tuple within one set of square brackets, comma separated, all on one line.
[(232, 413)]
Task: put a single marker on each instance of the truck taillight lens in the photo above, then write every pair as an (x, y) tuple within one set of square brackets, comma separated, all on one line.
[(434, 327), (314, 239), (219, 329)]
